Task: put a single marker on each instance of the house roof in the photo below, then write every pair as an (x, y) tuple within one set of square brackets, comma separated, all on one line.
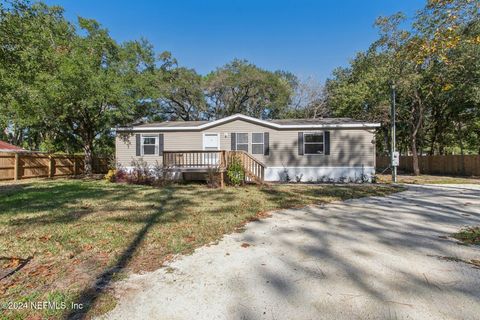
[(319, 123), (5, 146), (173, 124), (324, 121)]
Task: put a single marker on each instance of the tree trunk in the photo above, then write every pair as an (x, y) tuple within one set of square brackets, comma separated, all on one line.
[(432, 143), (416, 168), (88, 152), (417, 121), (478, 135), (462, 152)]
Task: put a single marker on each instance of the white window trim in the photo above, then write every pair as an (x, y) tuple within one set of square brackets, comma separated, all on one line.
[(236, 141), (142, 144), (211, 133), (262, 143), (323, 143)]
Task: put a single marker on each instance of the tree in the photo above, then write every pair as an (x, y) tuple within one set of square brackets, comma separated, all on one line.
[(241, 87), (104, 85), (361, 91), (32, 39), (181, 91), (63, 88), (434, 65), (308, 100)]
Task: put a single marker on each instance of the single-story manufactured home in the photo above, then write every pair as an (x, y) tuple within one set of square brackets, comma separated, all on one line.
[(297, 149)]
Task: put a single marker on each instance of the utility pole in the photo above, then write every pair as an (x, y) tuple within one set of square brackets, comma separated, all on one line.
[(394, 154)]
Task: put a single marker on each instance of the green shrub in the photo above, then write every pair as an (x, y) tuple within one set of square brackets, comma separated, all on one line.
[(235, 172)]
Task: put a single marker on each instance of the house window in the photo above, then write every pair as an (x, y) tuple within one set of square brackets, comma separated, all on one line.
[(149, 145), (257, 143), (242, 142), (313, 143)]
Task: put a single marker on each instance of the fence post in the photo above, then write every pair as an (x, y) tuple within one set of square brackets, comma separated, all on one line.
[(51, 166), (75, 165), (16, 168)]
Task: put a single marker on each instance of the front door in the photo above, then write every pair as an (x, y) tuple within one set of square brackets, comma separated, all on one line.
[(211, 142)]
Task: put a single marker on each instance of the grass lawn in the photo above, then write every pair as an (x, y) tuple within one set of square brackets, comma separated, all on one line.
[(427, 179), (68, 239)]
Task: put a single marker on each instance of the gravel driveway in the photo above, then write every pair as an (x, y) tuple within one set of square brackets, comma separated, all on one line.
[(370, 258)]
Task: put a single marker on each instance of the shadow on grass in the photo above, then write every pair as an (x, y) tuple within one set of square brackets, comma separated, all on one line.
[(48, 196), (89, 296), (56, 202)]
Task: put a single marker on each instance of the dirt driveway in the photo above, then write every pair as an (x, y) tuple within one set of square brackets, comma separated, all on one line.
[(371, 258)]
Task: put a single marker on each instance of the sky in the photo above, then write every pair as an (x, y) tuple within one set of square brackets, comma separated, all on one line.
[(308, 38)]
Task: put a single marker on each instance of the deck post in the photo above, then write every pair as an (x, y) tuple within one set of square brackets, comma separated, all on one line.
[(223, 162), (221, 179)]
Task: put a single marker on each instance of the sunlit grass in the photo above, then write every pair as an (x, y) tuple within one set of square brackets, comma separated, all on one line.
[(428, 179)]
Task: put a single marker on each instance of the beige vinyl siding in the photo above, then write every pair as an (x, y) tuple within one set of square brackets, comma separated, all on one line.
[(125, 150), (183, 140), (240, 126), (348, 147)]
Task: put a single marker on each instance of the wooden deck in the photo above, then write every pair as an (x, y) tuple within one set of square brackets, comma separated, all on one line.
[(203, 161)]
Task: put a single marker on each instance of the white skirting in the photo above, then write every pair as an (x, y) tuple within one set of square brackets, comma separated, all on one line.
[(306, 174), (320, 174)]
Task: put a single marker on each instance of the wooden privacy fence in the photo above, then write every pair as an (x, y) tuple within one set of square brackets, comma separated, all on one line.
[(468, 165), (16, 166)]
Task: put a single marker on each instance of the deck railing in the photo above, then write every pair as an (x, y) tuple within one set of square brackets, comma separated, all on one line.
[(218, 159), (194, 159), (254, 169)]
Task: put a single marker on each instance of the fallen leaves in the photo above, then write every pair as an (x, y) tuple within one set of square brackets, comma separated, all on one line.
[(12, 263), (190, 239), (45, 238), (475, 262), (44, 270)]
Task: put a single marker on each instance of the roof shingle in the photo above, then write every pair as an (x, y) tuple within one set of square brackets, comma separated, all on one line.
[(5, 146)]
